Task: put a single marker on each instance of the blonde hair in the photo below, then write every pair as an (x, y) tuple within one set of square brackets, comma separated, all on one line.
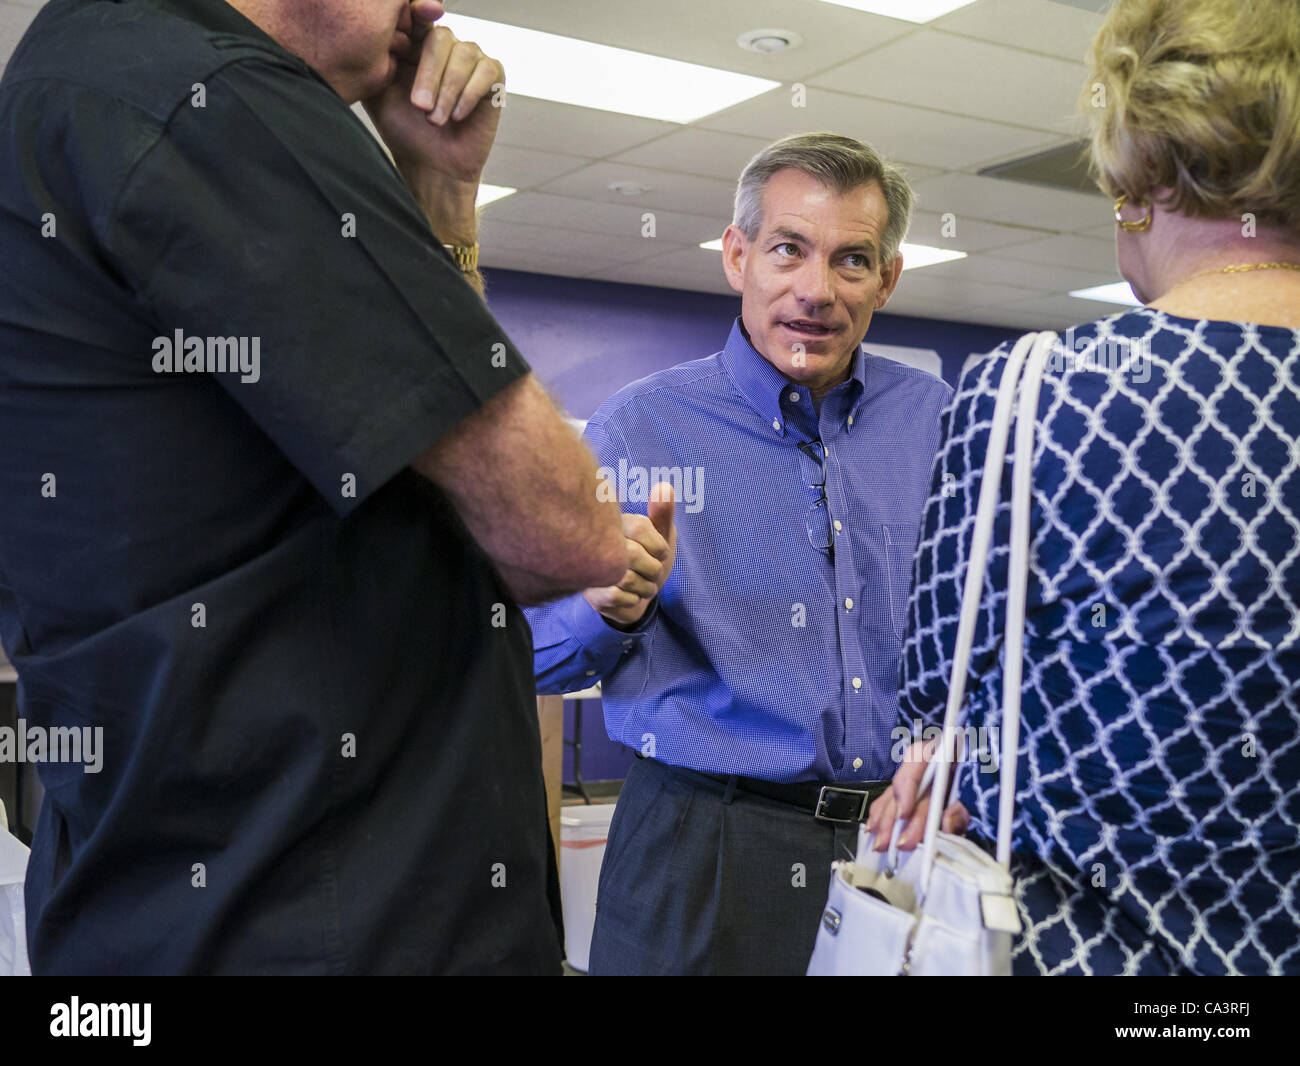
[(1201, 97)]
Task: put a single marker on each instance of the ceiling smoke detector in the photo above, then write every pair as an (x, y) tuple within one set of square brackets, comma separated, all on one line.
[(769, 41)]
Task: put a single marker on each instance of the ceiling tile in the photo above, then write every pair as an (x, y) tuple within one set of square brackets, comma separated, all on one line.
[(523, 168), (1011, 202), (1037, 25), (695, 151), (612, 219), (533, 263), (711, 154), (898, 131), (688, 268), (675, 192), (701, 262), (956, 293), (563, 244), (1065, 250), (14, 20), (1100, 233), (967, 234), (988, 268), (581, 131), (964, 76)]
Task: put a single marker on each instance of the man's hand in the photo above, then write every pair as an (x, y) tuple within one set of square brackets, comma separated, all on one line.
[(651, 550), (439, 116)]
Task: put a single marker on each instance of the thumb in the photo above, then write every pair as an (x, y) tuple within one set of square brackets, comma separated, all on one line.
[(660, 511)]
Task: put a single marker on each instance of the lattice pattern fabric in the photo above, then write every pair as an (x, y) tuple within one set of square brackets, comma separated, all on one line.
[(1158, 809)]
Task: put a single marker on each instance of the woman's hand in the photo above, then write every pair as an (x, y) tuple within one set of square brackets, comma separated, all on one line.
[(899, 801)]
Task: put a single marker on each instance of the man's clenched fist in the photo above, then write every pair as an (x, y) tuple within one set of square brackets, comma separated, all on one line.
[(651, 549)]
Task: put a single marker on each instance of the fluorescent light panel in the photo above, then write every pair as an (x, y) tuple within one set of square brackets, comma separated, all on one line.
[(914, 255), (1117, 292), (908, 10), (924, 255), (490, 193), (568, 71)]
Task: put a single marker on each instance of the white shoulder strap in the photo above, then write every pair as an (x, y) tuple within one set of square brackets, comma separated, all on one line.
[(986, 510), (1022, 484)]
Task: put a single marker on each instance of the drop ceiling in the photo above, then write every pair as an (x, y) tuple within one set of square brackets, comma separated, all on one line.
[(991, 82)]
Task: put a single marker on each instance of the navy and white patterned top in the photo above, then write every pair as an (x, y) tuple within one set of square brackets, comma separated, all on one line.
[(763, 655), (1158, 798)]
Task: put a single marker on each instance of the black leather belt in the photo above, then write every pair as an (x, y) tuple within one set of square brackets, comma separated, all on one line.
[(844, 803)]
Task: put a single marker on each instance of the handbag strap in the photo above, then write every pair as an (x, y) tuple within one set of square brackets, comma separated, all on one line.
[(1032, 350), (1013, 665)]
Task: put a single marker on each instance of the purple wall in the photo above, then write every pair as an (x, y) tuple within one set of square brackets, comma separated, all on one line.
[(587, 339)]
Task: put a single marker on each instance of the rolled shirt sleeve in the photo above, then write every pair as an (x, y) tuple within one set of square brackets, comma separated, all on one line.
[(310, 253)]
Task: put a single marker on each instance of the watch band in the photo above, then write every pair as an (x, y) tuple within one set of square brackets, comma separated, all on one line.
[(465, 255)]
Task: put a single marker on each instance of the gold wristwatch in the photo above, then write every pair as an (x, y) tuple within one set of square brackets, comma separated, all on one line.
[(465, 255)]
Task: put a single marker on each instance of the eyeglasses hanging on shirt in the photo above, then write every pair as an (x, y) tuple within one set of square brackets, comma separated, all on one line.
[(812, 467)]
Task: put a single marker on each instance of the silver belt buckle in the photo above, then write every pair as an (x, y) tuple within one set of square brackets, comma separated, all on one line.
[(862, 808)]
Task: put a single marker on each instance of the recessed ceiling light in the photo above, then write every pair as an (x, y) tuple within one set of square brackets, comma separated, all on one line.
[(769, 41), (489, 193), (568, 71), (1118, 292), (914, 255), (909, 10)]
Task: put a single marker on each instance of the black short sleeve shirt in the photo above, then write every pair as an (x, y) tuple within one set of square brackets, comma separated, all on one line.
[(225, 332)]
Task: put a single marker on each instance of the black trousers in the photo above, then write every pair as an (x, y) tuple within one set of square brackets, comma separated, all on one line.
[(697, 881)]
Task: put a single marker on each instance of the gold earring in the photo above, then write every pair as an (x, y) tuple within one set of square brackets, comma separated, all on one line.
[(1132, 227)]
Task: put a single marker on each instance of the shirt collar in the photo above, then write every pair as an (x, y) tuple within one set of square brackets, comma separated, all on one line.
[(762, 385)]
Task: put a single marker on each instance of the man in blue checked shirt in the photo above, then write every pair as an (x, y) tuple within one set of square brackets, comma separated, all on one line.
[(750, 655)]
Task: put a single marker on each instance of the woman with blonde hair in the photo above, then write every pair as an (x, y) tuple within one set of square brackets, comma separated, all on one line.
[(1158, 810)]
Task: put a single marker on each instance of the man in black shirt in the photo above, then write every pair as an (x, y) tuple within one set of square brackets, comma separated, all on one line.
[(273, 479)]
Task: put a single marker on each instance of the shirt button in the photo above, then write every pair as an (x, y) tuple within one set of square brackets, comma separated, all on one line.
[(591, 673), (850, 420), (794, 397), (848, 603), (825, 451), (627, 644), (776, 423), (857, 682), (838, 526), (857, 764)]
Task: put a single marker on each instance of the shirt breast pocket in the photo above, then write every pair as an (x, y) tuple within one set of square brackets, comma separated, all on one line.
[(899, 550)]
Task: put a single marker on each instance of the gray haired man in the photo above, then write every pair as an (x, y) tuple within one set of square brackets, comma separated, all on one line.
[(750, 655)]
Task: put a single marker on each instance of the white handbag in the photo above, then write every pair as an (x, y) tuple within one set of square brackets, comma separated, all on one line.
[(13, 912), (948, 907)]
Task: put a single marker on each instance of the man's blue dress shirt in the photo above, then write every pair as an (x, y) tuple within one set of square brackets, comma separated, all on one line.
[(763, 655)]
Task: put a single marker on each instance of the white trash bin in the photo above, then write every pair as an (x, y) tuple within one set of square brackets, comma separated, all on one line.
[(583, 832)]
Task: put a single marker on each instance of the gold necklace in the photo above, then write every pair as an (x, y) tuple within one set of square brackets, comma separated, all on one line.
[(1241, 268)]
